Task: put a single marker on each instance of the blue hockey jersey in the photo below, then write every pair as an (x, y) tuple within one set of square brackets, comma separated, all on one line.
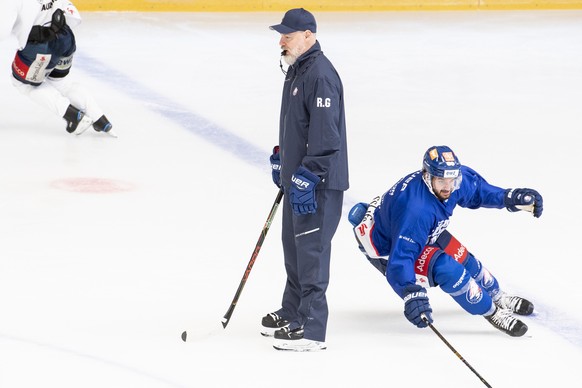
[(411, 216)]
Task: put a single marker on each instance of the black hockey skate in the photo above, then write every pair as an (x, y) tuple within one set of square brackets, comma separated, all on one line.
[(102, 125), (503, 320), (76, 120), (516, 304), (272, 322)]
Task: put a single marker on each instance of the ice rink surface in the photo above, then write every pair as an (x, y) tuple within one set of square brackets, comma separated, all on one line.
[(110, 248)]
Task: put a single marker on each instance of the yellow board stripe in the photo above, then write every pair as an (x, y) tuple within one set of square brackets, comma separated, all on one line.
[(319, 5)]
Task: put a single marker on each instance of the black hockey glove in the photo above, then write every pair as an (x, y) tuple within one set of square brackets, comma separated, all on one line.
[(416, 304), (524, 199), (39, 34)]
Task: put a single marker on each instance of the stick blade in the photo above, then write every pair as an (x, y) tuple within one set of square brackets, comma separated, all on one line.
[(201, 332)]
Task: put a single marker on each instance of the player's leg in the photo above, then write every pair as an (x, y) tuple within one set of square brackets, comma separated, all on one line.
[(29, 70), (454, 279), (486, 280), (64, 48)]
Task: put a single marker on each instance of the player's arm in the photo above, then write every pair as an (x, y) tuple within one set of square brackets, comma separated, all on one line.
[(477, 192)]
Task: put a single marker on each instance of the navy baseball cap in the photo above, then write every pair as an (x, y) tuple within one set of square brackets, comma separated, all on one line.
[(297, 19)]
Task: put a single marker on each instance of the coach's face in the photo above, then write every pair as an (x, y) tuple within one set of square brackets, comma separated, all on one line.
[(295, 44)]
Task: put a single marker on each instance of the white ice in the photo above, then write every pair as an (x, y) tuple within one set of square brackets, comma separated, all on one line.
[(96, 288)]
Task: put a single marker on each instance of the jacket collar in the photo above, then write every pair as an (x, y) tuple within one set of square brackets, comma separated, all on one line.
[(307, 58)]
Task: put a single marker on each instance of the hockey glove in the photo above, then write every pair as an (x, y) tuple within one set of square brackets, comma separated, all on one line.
[(524, 199), (276, 166), (416, 304), (302, 191), (357, 213)]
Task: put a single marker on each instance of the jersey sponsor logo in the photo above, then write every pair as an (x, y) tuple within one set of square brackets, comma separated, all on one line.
[(406, 238), (460, 281), (46, 7), (323, 103), (460, 254), (456, 249), (36, 71), (65, 63), (19, 67), (423, 259)]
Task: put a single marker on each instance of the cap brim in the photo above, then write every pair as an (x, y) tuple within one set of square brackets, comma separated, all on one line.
[(281, 29)]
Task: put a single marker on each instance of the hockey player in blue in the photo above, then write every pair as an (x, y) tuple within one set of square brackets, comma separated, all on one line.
[(403, 234)]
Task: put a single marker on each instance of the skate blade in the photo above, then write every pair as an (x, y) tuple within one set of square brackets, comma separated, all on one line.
[(84, 124), (111, 133)]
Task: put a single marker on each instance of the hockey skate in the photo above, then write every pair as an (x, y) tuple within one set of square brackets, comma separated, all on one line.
[(516, 304), (103, 125), (77, 122), (503, 320), (293, 340), (272, 322)]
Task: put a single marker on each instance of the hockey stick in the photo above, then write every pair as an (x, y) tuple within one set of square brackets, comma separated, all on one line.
[(425, 319), (243, 281)]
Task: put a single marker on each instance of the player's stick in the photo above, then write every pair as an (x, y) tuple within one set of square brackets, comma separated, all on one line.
[(243, 281), (425, 319)]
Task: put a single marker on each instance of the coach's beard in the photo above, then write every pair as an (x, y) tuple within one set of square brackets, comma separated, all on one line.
[(290, 56)]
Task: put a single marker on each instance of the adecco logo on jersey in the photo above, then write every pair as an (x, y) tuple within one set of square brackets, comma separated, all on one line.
[(19, 67)]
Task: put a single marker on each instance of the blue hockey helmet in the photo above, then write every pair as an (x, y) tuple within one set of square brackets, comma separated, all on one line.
[(441, 161)]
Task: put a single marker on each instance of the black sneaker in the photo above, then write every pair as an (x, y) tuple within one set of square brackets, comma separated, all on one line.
[(516, 304), (76, 120), (272, 322), (503, 320), (286, 339)]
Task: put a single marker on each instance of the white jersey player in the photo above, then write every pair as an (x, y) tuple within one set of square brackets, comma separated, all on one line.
[(46, 45)]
